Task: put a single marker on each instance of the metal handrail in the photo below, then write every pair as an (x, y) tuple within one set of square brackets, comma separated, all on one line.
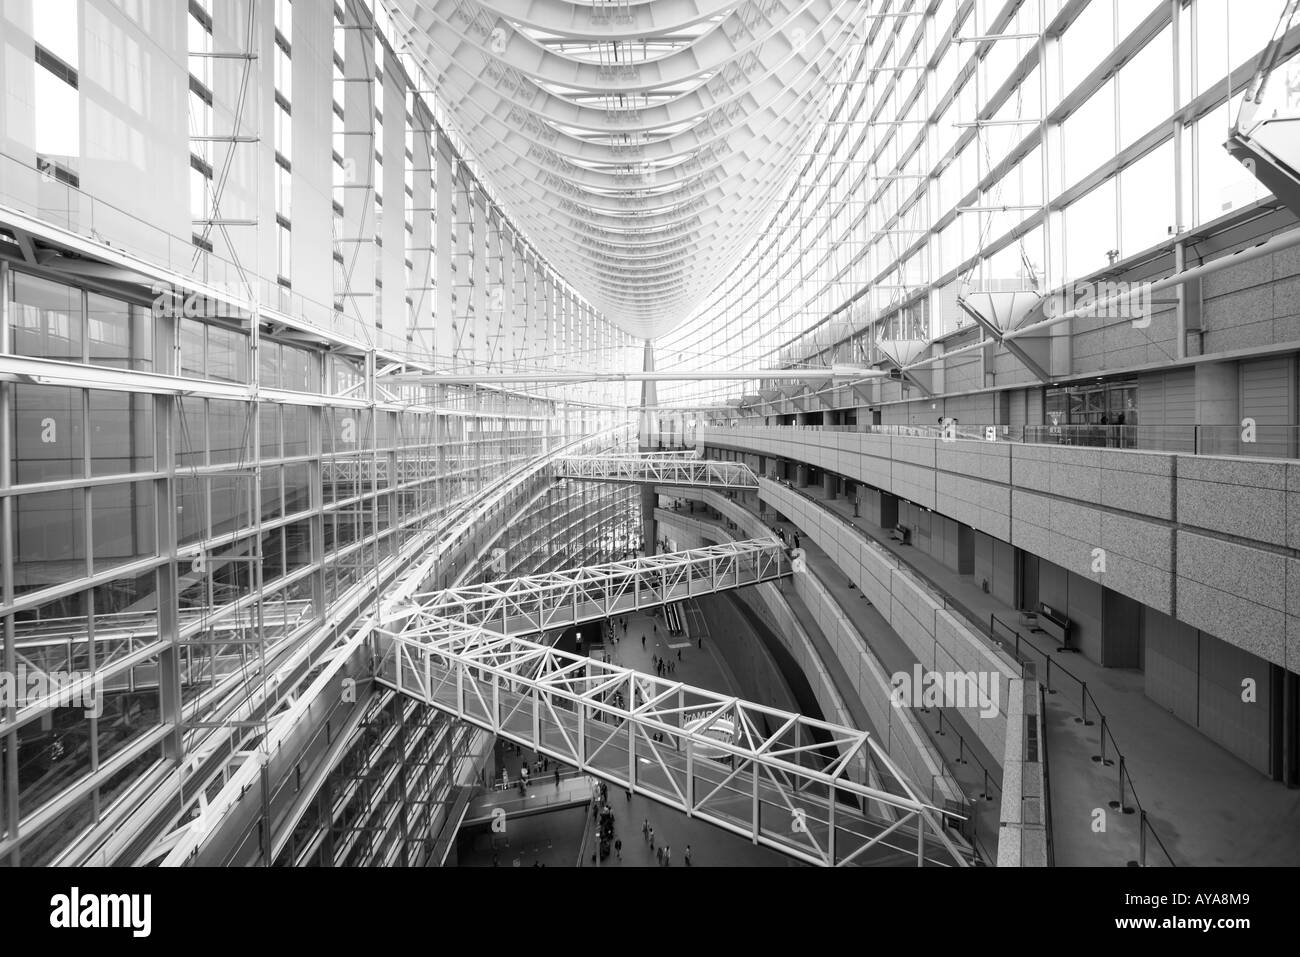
[(1085, 696), (935, 590), (942, 597), (1246, 440)]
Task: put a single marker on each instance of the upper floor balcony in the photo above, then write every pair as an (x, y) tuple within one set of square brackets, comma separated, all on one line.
[(1248, 438)]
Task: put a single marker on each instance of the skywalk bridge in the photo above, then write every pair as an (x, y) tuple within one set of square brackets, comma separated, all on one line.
[(538, 603), (824, 794), (657, 469)]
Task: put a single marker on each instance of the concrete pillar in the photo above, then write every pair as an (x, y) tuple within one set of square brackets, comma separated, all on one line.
[(829, 482), (801, 471)]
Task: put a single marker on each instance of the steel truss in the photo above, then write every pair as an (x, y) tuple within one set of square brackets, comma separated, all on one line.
[(536, 603), (657, 470), (823, 794)]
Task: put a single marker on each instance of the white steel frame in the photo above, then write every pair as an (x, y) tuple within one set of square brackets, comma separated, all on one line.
[(657, 470), (537, 603), (823, 794)]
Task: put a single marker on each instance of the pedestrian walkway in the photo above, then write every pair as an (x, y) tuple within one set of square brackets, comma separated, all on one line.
[(1207, 806), (710, 846), (542, 794), (965, 758)]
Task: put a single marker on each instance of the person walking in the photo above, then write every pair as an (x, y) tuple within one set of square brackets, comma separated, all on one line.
[(643, 641), (645, 830), (652, 838), (659, 856), (687, 855), (557, 775), (668, 856), (679, 654), (618, 848)]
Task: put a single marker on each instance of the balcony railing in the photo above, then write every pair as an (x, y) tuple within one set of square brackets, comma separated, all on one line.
[(1258, 441)]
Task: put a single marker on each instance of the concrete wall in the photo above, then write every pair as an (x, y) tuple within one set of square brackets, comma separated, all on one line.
[(1228, 521), (995, 564), (1199, 678), (938, 639), (896, 729)]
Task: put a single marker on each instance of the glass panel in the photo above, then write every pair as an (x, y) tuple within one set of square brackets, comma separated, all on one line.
[(191, 509), (45, 318), (296, 419), (297, 488), (126, 614), (227, 354), (191, 432), (121, 432), (1147, 200), (131, 708), (52, 755), (49, 538), (123, 523), (270, 489), (294, 365), (268, 362), (229, 425), (191, 343), (41, 848), (120, 334), (48, 434), (269, 426), (230, 503)]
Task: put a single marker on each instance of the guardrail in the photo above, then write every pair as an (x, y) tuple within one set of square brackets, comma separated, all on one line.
[(1250, 440), (936, 594), (1124, 779), (932, 588)]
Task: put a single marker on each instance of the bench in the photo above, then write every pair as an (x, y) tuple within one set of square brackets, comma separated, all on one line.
[(1053, 623), (901, 533)]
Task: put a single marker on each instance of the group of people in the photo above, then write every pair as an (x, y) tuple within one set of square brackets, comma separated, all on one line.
[(663, 852), (664, 666), (541, 764)]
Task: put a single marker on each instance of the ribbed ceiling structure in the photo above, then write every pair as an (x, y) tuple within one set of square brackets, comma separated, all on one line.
[(638, 144)]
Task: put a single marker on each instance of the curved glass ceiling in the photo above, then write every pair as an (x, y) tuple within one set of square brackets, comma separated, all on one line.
[(637, 143)]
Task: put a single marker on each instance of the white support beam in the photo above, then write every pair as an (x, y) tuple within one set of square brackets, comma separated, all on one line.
[(788, 782), (538, 603), (657, 469)]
